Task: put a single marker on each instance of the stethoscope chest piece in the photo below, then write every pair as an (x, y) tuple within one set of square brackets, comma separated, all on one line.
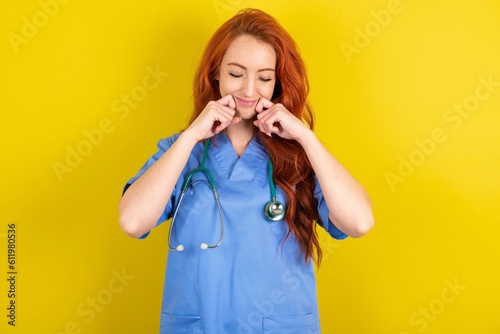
[(274, 210)]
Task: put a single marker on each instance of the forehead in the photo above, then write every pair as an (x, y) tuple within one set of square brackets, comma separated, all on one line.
[(250, 52)]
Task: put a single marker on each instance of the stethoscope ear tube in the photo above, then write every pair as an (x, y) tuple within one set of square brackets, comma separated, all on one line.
[(186, 184), (204, 245)]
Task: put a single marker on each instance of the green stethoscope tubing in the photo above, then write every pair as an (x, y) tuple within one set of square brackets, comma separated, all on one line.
[(273, 210)]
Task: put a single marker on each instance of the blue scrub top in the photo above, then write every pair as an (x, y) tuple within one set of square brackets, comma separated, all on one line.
[(252, 282)]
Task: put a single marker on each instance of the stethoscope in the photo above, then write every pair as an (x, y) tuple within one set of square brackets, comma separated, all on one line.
[(274, 210)]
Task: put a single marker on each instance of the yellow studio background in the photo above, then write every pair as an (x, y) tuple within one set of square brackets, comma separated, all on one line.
[(407, 97)]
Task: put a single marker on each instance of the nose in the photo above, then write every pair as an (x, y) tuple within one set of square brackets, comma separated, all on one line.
[(248, 87)]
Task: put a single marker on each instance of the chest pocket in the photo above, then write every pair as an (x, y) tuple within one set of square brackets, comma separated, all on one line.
[(303, 324), (174, 324)]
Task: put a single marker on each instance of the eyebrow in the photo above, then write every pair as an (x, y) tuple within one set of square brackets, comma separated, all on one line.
[(243, 67)]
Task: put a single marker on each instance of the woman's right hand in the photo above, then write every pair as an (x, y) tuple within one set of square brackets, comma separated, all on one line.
[(216, 116)]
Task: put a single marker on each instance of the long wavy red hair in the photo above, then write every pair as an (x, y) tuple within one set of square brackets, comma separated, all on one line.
[(292, 169)]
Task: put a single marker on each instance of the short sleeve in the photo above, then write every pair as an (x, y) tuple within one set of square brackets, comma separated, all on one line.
[(323, 211), (163, 146)]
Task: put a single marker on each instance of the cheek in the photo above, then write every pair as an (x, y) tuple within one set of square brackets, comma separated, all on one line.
[(227, 87), (267, 91)]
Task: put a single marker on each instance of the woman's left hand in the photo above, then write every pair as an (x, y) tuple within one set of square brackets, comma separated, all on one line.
[(348, 204), (275, 118)]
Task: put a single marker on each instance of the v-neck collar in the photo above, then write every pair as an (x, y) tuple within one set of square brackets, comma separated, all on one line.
[(244, 168)]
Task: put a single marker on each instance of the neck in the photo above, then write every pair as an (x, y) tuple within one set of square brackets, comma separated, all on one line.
[(240, 135)]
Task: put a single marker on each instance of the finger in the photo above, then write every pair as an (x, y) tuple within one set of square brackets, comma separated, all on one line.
[(222, 125), (262, 127), (217, 112), (225, 120), (230, 119), (221, 112), (219, 128), (270, 120), (235, 120), (228, 101), (218, 119), (227, 110), (263, 104)]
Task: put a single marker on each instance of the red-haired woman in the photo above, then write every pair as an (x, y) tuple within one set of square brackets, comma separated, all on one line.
[(245, 185)]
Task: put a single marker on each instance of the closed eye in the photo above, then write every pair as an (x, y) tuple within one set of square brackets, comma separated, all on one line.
[(240, 75)]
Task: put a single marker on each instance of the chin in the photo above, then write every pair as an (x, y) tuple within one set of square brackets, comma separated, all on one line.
[(246, 114), (247, 118)]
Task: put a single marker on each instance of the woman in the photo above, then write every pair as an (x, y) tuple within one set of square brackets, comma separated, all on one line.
[(251, 127)]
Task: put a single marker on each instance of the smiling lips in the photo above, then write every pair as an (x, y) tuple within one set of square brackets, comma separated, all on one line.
[(245, 103)]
